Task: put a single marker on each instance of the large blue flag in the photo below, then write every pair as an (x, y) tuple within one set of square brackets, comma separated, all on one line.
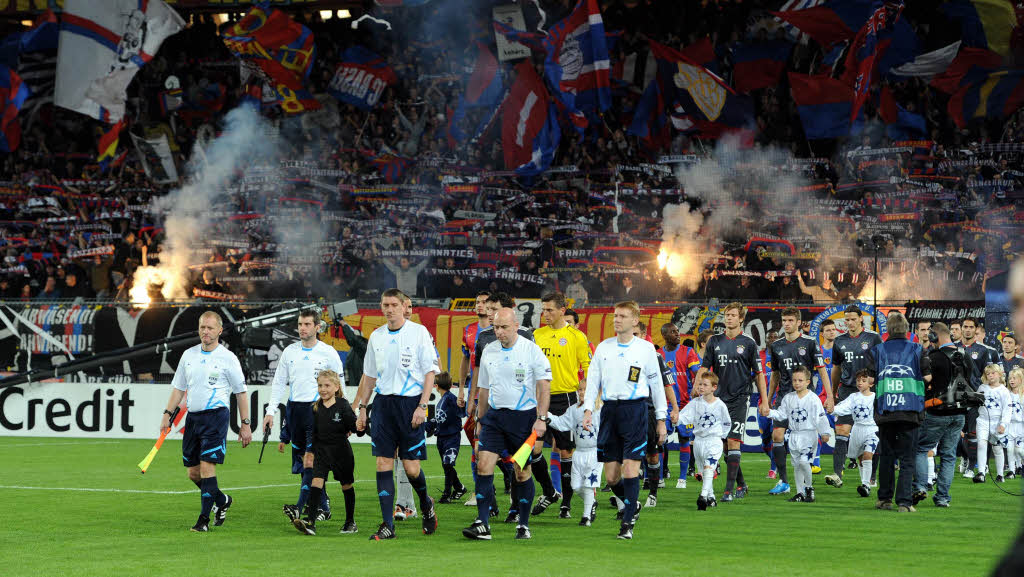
[(13, 93)]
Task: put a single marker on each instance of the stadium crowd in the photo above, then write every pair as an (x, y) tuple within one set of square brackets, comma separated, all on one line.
[(445, 221)]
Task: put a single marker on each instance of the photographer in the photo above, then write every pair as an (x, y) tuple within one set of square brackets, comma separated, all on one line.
[(942, 424), (899, 409)]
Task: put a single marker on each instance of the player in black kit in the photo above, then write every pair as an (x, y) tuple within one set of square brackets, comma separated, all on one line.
[(734, 359), (333, 421), (850, 353)]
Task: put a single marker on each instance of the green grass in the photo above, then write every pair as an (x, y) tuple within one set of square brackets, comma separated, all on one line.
[(145, 532)]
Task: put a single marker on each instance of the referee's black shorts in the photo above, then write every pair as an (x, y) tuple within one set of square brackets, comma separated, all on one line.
[(560, 403)]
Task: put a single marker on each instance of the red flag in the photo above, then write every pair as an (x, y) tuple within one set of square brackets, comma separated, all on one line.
[(524, 115)]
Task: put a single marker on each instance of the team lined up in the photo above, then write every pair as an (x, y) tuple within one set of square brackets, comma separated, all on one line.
[(612, 404)]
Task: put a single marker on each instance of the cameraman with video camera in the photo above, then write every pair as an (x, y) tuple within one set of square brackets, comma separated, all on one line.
[(945, 413)]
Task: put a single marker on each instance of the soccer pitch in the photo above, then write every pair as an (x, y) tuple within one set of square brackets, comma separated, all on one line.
[(80, 507)]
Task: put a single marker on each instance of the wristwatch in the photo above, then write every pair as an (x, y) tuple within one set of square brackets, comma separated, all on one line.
[(545, 419), (246, 421), (362, 405), (423, 406), (168, 413)]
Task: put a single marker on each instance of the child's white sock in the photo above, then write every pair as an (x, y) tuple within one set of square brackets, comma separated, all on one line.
[(404, 492), (588, 500), (982, 456), (865, 472), (1000, 461), (708, 482), (931, 469)]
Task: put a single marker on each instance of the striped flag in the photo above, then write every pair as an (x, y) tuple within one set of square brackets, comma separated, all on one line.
[(791, 31)]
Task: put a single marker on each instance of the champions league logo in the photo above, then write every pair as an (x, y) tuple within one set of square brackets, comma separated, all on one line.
[(439, 415), (991, 403), (895, 371), (706, 421), (450, 455), (799, 416), (862, 412)]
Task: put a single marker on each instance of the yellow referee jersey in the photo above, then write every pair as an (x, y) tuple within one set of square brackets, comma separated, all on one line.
[(568, 351)]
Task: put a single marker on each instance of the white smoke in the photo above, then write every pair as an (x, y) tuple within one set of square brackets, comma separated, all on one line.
[(188, 219), (692, 239)]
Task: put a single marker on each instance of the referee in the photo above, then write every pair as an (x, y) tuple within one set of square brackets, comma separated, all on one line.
[(513, 389), (568, 351), (625, 372), (399, 367), (206, 372), (297, 369)]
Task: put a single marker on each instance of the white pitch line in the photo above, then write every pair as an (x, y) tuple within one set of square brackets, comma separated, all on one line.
[(158, 492), (4, 445)]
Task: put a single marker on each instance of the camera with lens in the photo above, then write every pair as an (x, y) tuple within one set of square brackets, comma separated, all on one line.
[(958, 396)]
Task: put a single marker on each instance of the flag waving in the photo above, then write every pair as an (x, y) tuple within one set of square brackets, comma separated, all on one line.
[(860, 63), (699, 91), (529, 132), (107, 145), (577, 63), (102, 46), (361, 78), (280, 50), (13, 93)]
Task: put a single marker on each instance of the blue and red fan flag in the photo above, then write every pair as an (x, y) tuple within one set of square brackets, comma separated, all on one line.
[(361, 78), (831, 22), (759, 65), (107, 145), (529, 132), (715, 107), (824, 105), (13, 93), (901, 124), (577, 63), (392, 167), (987, 94), (866, 51)]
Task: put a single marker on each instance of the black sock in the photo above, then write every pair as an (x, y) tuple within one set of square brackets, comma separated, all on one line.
[(779, 454), (419, 484), (653, 476), (539, 466), (664, 460), (566, 481), (386, 495), (307, 480), (732, 463), (314, 502), (449, 471), (207, 488), (972, 451), (325, 499), (199, 483), (350, 502), (484, 490), (874, 468), (631, 489), (740, 481), (619, 491), (839, 454), (523, 501)]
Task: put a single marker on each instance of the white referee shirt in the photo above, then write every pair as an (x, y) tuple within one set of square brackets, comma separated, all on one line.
[(624, 372), (298, 367), (209, 377), (511, 374), (400, 360)]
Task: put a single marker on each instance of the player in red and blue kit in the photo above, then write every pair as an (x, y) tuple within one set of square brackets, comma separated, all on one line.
[(682, 361), (828, 338), (469, 336)]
